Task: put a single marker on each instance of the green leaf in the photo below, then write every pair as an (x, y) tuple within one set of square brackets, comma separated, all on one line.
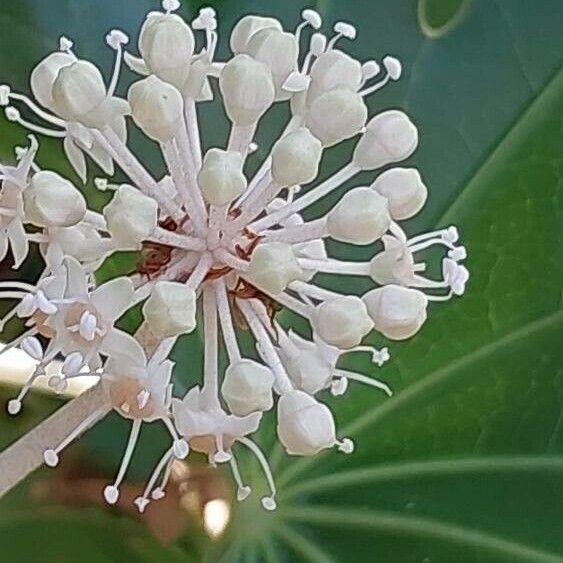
[(465, 462)]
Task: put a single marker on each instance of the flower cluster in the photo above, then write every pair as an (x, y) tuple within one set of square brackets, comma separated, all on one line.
[(208, 234)]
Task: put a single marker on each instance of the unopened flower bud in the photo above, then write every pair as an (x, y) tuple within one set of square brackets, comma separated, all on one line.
[(247, 387), (404, 190), (82, 242), (79, 94), (44, 75), (131, 216), (247, 89), (166, 44), (273, 266), (337, 115), (221, 179), (296, 158), (307, 369), (170, 309), (342, 322), (156, 107), (397, 312), (360, 217), (278, 50), (394, 264), (52, 201), (245, 29), (332, 70), (389, 137), (305, 426)]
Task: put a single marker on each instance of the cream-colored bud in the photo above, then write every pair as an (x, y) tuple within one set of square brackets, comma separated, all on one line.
[(245, 29), (221, 179), (273, 267), (360, 217), (278, 50), (342, 321), (247, 89), (170, 310), (389, 137), (247, 387), (337, 115), (79, 94), (52, 201), (404, 190), (157, 108), (397, 312), (332, 70), (131, 216), (296, 158), (44, 75), (166, 44), (305, 426)]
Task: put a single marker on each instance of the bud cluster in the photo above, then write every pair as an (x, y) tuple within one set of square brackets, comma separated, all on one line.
[(212, 236)]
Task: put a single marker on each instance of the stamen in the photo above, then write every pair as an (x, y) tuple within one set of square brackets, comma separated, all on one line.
[(66, 45), (342, 29), (35, 108), (268, 502), (360, 378), (378, 357), (170, 5), (116, 39), (13, 115), (111, 492), (221, 456), (346, 446), (143, 500), (160, 491), (180, 447), (339, 386), (310, 17), (243, 491), (51, 456)]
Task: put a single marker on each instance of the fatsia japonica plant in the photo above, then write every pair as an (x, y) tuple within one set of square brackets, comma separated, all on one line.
[(209, 235)]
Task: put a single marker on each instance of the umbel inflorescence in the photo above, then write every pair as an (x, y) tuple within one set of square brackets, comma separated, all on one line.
[(207, 233)]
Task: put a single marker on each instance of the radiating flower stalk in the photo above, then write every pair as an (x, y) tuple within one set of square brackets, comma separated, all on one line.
[(211, 236)]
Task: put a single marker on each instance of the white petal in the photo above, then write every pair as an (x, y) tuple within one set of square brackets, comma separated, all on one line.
[(18, 242), (76, 158), (113, 298), (76, 279), (32, 347)]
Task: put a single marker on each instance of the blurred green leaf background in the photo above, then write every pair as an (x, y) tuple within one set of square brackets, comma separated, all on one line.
[(464, 463)]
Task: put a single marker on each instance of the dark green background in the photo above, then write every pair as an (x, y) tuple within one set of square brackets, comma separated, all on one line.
[(464, 463)]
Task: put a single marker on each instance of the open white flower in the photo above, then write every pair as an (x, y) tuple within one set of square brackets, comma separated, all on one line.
[(239, 247)]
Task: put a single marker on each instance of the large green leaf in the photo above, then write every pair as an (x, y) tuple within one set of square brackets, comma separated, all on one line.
[(464, 463)]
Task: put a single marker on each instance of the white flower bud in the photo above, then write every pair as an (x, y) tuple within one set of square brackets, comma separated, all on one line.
[(296, 158), (307, 369), (397, 312), (131, 216), (44, 75), (170, 309), (342, 322), (389, 137), (273, 266), (247, 387), (278, 50), (245, 29), (166, 44), (305, 426), (52, 201), (332, 70), (157, 108), (393, 265), (82, 242), (404, 190), (221, 179), (247, 89), (337, 115), (79, 94), (360, 217)]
